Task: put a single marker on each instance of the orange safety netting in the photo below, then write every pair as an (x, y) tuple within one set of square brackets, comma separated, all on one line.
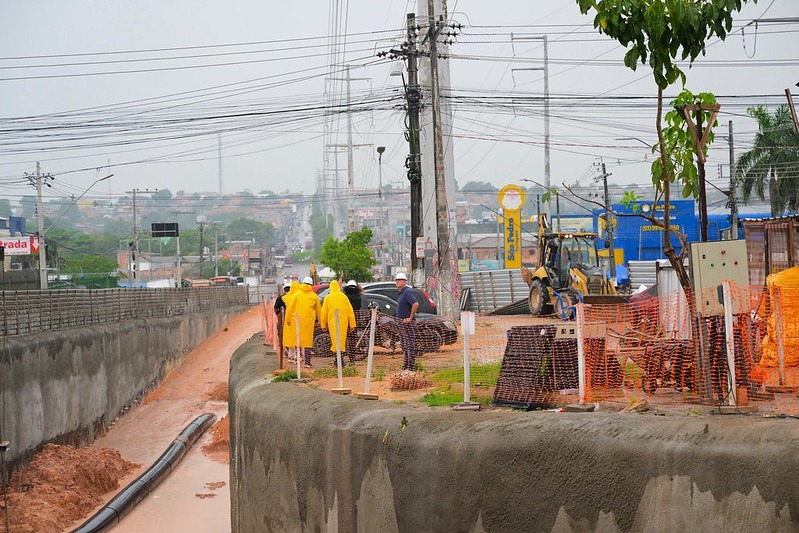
[(779, 307)]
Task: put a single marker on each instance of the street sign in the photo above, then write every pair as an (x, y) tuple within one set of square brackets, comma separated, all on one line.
[(420, 247), (165, 229)]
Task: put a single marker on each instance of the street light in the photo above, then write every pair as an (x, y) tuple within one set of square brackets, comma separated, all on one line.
[(43, 247), (381, 222)]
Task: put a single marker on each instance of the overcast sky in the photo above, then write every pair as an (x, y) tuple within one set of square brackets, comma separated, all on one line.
[(151, 87)]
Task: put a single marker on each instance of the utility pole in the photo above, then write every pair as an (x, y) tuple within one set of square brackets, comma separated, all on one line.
[(545, 70), (702, 187), (350, 183), (382, 220), (350, 146), (413, 98), (608, 223), (178, 270), (442, 209), (413, 95), (40, 217), (133, 264), (219, 158), (202, 226), (733, 192)]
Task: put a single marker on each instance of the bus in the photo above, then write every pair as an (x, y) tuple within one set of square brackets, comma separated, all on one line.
[(217, 281)]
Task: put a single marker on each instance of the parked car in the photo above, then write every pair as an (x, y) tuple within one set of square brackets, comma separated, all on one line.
[(445, 328), (389, 288)]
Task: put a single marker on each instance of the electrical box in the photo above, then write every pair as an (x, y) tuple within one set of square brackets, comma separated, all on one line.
[(713, 263)]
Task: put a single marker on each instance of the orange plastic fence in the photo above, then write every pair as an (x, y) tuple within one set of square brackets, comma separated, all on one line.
[(651, 348)]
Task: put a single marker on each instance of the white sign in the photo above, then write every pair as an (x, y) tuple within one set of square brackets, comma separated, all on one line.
[(420, 247), (467, 322), (20, 245)]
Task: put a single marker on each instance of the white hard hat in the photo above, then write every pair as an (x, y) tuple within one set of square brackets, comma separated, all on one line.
[(308, 280), (287, 285), (351, 283), (401, 275)]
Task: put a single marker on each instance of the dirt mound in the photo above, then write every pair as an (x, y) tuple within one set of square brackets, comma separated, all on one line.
[(61, 485), (218, 392), (219, 447)]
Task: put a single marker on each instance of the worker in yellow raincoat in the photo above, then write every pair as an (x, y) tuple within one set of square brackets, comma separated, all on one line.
[(305, 305), (289, 330), (337, 301)]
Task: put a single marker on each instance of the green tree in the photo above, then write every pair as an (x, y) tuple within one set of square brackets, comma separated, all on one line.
[(479, 186), (773, 161), (85, 264), (263, 233), (655, 33), (351, 256), (5, 207)]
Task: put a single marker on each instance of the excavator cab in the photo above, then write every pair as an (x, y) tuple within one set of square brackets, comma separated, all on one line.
[(568, 270)]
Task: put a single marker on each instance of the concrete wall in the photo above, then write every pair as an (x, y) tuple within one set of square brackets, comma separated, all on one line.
[(308, 460), (67, 385)]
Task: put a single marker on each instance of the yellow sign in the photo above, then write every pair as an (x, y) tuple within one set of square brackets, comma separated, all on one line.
[(511, 198)]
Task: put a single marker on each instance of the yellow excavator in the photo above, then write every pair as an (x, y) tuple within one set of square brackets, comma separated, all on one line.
[(568, 271)]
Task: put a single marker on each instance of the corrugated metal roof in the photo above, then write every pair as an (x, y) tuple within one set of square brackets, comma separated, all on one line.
[(493, 289)]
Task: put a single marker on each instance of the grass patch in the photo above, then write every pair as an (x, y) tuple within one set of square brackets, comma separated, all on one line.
[(347, 371), (445, 397), (380, 374), (288, 375), (485, 375), (419, 367)]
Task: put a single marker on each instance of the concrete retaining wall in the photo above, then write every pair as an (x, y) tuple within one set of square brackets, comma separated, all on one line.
[(308, 460), (65, 386)]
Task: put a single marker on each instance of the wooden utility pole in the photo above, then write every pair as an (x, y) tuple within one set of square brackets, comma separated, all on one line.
[(413, 95), (40, 218), (733, 199)]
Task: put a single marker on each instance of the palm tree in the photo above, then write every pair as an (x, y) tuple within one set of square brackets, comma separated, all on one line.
[(773, 162)]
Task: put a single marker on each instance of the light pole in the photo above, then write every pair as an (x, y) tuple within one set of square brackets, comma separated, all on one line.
[(382, 223), (42, 232)]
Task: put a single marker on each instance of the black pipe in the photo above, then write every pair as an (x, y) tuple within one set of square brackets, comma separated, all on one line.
[(139, 488)]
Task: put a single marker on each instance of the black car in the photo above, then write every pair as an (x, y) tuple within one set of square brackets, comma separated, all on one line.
[(389, 288), (445, 328)]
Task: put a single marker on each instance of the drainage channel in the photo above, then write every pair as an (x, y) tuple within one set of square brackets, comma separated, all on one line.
[(139, 488)]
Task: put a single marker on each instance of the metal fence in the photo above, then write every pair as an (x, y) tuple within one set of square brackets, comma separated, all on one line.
[(26, 312), (489, 290)]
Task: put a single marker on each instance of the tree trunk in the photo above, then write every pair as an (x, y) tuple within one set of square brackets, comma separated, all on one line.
[(676, 260)]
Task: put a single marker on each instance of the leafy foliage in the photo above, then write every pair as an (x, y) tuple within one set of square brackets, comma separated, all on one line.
[(680, 147), (656, 32), (773, 161), (479, 186), (352, 255)]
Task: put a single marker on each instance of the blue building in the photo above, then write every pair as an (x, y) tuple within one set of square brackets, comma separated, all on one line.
[(642, 241)]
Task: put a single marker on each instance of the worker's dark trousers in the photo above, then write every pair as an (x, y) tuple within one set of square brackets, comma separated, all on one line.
[(407, 338)]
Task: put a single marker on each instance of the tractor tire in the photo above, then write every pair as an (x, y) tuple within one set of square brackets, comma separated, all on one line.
[(538, 298), (564, 306)]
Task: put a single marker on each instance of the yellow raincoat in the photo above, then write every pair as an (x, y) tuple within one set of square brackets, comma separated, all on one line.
[(337, 300), (289, 332), (306, 304)]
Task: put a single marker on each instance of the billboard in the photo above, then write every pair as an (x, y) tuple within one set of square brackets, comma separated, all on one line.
[(20, 245)]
